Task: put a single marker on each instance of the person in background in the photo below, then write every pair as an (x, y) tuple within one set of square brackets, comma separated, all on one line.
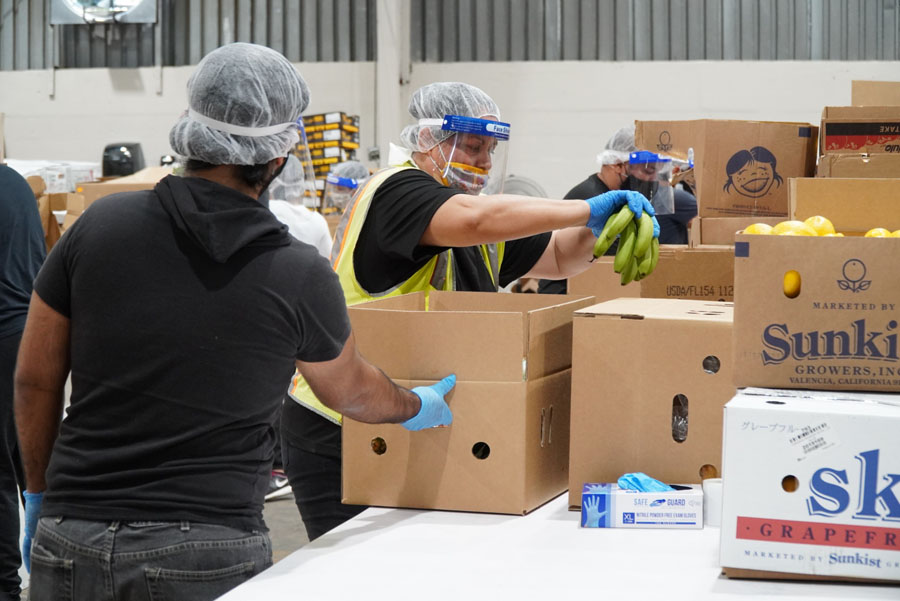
[(286, 196), (423, 224), (616, 174), (22, 250), (341, 184), (182, 313)]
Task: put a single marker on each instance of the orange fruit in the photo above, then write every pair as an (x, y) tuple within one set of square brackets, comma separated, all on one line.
[(793, 228), (878, 232), (758, 228), (822, 225)]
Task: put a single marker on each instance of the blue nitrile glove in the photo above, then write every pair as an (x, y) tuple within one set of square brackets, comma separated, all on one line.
[(434, 410), (642, 482), (33, 502), (604, 205), (592, 513)]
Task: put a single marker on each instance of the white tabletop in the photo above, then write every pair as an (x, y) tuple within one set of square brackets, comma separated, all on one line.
[(433, 555)]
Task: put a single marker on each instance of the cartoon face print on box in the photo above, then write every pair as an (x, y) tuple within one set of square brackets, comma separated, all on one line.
[(752, 173)]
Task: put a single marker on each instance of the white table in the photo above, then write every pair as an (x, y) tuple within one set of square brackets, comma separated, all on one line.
[(394, 554)]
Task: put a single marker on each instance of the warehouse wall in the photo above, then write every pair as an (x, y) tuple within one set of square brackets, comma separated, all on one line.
[(561, 112)]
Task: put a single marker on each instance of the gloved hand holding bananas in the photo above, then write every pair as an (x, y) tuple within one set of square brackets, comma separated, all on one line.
[(638, 250)]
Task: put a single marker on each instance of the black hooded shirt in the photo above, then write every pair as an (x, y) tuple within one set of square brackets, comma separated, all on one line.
[(189, 305)]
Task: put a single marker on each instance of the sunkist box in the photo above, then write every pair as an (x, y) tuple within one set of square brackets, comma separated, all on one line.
[(810, 485), (507, 450), (721, 230), (875, 93), (856, 129), (649, 379), (698, 273), (859, 165), (853, 205), (839, 332), (741, 166)]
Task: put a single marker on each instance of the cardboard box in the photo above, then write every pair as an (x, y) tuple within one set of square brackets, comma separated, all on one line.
[(838, 333), (608, 506), (859, 165), (741, 167), (875, 93), (638, 366), (145, 179), (721, 230), (854, 206), (48, 206), (508, 448), (701, 273), (857, 129), (810, 485)]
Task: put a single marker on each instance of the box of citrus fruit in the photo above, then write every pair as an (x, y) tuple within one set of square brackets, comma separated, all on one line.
[(814, 309)]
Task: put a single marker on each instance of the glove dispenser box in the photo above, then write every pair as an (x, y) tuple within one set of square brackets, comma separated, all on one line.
[(507, 450)]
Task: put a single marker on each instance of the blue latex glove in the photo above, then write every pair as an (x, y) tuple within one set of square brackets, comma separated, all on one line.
[(642, 482), (604, 205), (434, 410), (33, 502)]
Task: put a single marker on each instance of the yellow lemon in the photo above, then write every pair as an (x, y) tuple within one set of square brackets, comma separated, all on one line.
[(758, 228), (792, 283), (878, 232), (793, 228), (822, 225), (835, 235), (896, 234)]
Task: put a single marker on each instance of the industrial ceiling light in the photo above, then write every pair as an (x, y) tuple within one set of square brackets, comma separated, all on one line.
[(73, 12)]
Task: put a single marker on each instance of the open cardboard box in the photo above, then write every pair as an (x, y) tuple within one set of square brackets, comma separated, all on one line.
[(741, 167), (860, 129), (507, 450), (145, 179), (854, 206), (721, 230), (699, 273), (635, 361), (839, 333), (875, 93), (807, 488)]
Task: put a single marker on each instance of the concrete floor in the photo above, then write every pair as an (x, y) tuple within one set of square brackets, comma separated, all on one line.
[(285, 527)]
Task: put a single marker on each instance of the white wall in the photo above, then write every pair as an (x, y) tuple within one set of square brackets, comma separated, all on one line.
[(561, 112)]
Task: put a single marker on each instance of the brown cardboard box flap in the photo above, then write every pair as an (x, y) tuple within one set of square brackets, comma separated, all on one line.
[(721, 230), (743, 573), (853, 205), (875, 93), (859, 165), (660, 308)]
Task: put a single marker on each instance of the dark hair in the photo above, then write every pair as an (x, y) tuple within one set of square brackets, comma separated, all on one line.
[(742, 157), (252, 175)]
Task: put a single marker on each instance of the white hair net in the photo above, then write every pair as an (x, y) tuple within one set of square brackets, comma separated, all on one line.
[(618, 148), (290, 183), (443, 98), (244, 101), (351, 170)]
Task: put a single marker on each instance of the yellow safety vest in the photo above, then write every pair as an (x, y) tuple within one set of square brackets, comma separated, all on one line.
[(436, 274)]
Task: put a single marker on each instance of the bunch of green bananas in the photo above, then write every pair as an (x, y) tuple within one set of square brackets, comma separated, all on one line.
[(638, 250)]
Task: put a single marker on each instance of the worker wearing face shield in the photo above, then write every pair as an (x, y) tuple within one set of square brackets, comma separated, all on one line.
[(341, 184), (424, 224)]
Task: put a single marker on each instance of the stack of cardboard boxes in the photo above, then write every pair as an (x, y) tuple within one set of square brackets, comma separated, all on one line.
[(332, 138)]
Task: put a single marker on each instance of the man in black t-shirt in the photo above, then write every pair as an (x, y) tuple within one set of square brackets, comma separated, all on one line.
[(183, 311), (422, 225)]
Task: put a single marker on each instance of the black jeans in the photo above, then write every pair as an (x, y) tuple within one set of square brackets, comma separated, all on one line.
[(311, 452), (11, 475)]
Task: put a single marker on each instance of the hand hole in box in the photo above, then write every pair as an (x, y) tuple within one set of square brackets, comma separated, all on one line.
[(379, 447), (792, 282), (679, 418), (481, 450), (711, 364), (708, 471), (775, 402), (790, 483)]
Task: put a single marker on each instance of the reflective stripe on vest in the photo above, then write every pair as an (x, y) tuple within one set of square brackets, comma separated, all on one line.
[(436, 274)]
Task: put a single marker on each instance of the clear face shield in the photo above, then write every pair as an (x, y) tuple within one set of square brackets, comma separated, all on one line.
[(338, 193), (474, 155), (308, 198), (650, 174)]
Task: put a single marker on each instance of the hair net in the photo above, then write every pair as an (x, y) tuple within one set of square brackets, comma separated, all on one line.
[(618, 147), (443, 98), (351, 170), (290, 183), (243, 102)]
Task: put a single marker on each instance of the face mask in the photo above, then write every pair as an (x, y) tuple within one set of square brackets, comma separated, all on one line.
[(648, 189), (265, 189), (460, 176)]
